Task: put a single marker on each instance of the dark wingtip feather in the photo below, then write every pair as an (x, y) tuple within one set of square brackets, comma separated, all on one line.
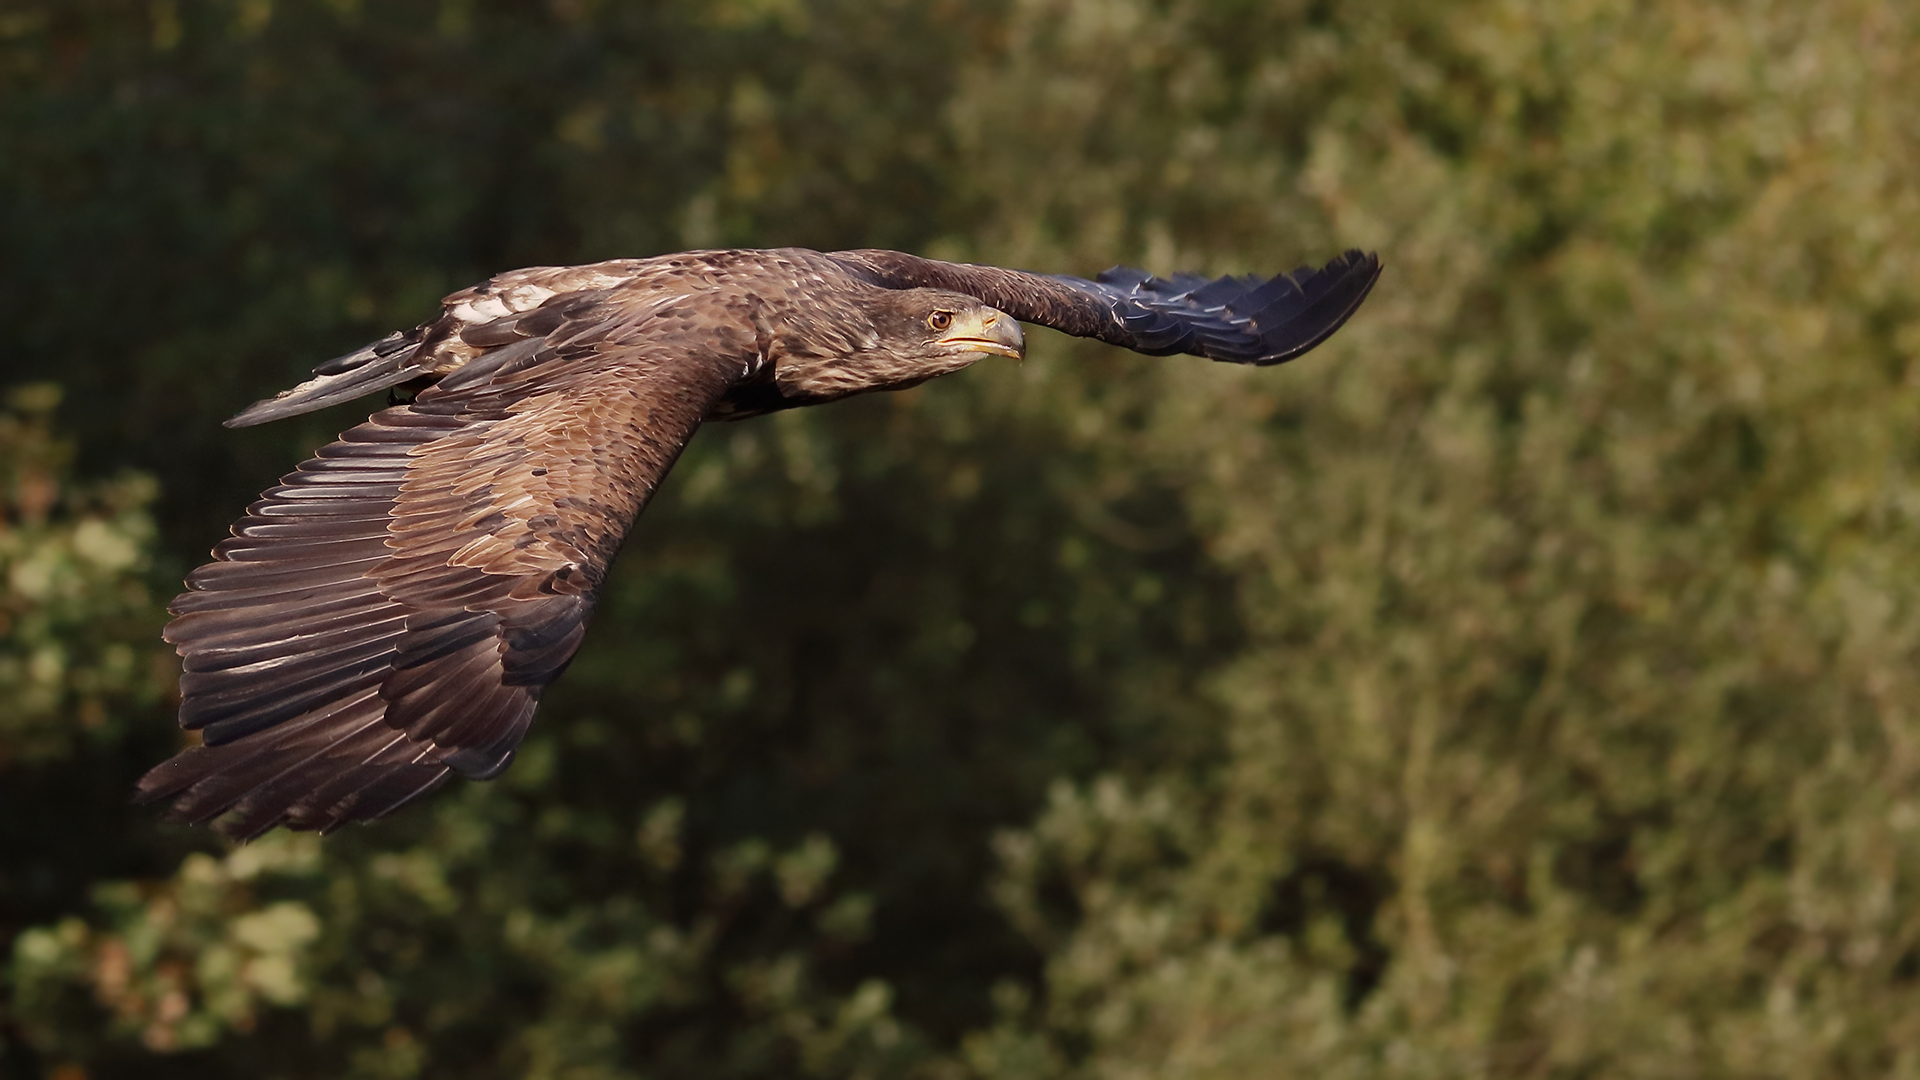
[(169, 778), (1245, 319), (1320, 303)]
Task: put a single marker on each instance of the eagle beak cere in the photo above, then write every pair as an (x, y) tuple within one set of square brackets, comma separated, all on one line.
[(987, 331)]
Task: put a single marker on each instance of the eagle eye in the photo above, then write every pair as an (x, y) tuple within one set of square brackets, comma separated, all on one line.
[(940, 320)]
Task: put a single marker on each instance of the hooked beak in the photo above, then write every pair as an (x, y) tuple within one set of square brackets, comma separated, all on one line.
[(987, 331)]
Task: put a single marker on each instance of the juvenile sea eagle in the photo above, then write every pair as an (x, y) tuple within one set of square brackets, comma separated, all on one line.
[(389, 614)]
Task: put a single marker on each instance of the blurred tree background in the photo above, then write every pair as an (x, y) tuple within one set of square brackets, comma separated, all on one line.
[(1522, 685)]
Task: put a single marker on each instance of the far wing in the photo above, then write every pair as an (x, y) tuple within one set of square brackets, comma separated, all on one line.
[(389, 614), (1242, 320), (501, 310)]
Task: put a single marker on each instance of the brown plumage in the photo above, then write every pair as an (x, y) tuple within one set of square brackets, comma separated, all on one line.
[(388, 615)]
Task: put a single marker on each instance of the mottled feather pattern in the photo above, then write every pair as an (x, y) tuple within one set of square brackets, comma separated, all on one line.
[(388, 614)]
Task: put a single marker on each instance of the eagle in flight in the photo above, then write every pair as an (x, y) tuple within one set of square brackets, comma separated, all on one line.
[(388, 615)]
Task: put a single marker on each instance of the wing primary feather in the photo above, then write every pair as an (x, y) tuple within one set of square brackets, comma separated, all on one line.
[(385, 347), (290, 796), (225, 720), (377, 373), (321, 642), (383, 749), (390, 793), (208, 779)]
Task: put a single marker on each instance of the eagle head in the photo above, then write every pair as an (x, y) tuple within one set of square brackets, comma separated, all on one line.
[(903, 338), (942, 331)]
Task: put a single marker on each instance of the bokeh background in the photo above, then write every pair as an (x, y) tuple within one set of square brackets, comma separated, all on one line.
[(1523, 685)]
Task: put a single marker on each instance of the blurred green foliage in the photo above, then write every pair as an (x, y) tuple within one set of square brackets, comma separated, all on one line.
[(76, 619), (1522, 685)]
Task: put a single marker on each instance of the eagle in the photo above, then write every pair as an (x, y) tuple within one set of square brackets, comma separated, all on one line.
[(388, 615)]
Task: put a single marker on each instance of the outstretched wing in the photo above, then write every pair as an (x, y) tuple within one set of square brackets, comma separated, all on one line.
[(503, 310), (388, 615), (1242, 320)]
